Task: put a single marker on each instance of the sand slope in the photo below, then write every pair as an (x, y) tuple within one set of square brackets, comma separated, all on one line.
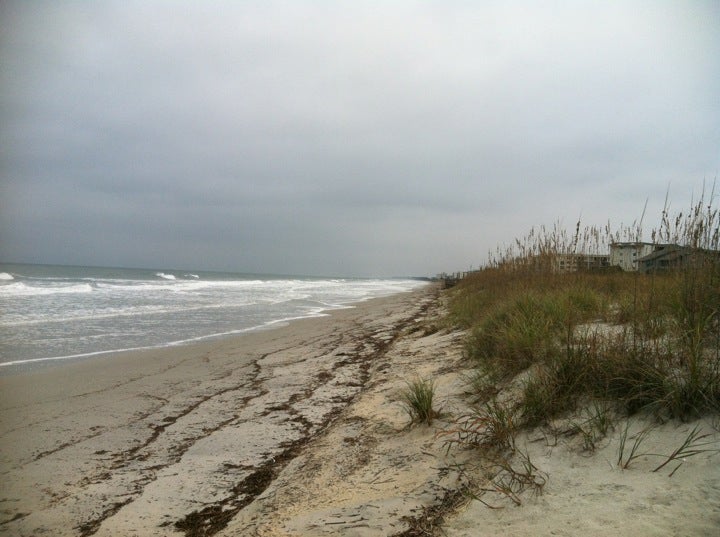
[(370, 470), (589, 494)]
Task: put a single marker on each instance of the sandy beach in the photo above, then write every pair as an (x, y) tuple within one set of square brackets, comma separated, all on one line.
[(185, 439), (298, 431)]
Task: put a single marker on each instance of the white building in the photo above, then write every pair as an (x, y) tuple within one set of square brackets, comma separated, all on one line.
[(626, 254)]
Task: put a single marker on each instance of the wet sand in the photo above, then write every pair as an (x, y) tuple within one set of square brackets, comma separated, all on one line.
[(188, 439)]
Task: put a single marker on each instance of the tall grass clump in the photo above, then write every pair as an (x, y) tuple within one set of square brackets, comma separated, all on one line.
[(647, 340), (417, 399), (491, 425)]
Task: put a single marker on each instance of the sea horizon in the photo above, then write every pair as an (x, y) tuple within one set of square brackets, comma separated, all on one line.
[(419, 277)]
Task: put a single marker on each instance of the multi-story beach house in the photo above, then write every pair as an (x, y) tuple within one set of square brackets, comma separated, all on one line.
[(673, 256), (626, 254), (563, 263), (560, 263)]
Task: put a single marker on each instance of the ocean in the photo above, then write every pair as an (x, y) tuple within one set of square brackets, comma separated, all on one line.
[(50, 313)]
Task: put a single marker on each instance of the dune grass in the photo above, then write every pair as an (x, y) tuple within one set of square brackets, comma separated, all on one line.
[(417, 400), (645, 342), (491, 425)]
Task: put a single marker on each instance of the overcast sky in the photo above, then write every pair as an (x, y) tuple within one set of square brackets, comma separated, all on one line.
[(343, 138)]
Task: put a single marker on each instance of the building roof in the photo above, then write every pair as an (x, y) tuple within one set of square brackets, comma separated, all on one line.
[(630, 244), (664, 250)]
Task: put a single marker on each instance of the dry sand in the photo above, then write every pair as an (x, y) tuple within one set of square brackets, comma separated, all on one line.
[(298, 431), (589, 494)]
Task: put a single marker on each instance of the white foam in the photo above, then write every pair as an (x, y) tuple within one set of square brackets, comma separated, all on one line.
[(134, 286), (174, 285), (165, 276), (5, 276), (20, 289)]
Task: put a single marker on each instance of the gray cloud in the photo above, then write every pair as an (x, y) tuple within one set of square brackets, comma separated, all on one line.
[(314, 137)]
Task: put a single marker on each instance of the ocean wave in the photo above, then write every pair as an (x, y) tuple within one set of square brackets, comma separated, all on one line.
[(165, 276), (191, 285), (21, 289), (5, 276), (10, 320), (180, 286), (129, 286)]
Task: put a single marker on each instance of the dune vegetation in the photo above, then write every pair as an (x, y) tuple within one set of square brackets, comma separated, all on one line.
[(603, 343)]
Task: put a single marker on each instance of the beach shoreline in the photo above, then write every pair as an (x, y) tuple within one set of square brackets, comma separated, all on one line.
[(137, 442), (38, 364), (299, 431)]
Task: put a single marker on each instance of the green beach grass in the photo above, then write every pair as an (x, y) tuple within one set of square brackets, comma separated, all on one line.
[(601, 339)]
